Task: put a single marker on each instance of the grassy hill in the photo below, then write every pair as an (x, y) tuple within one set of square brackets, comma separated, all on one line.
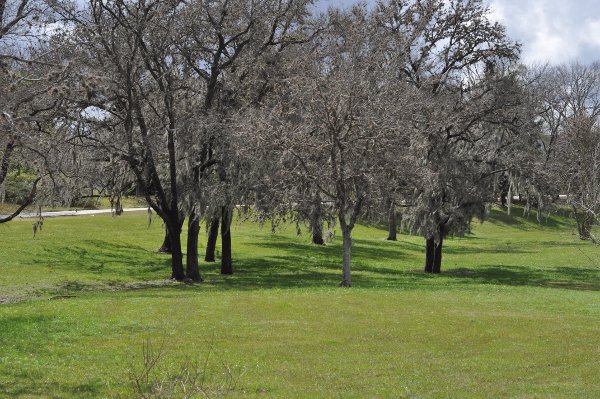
[(515, 313)]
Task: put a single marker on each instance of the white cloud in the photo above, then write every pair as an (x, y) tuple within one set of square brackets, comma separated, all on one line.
[(554, 31)]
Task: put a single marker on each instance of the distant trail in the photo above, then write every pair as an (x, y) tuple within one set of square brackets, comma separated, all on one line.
[(78, 212)]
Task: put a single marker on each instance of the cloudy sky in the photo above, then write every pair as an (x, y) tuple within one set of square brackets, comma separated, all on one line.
[(554, 31)]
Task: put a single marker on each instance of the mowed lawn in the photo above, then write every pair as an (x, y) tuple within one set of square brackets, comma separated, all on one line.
[(515, 313)]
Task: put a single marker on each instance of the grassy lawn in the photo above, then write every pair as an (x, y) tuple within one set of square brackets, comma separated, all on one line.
[(516, 313)]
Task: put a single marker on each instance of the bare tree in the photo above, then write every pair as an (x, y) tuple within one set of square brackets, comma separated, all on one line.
[(326, 129), (135, 96), (453, 54), (31, 89), (575, 137), (227, 45)]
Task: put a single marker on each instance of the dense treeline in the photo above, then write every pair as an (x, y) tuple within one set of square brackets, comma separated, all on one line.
[(411, 107)]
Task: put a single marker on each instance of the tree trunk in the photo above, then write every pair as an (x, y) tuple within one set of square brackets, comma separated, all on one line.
[(226, 261), (192, 270), (437, 260), (585, 221), (165, 248), (316, 221), (211, 243), (392, 222), (429, 254), (346, 252), (317, 234), (433, 252), (176, 254), (510, 198)]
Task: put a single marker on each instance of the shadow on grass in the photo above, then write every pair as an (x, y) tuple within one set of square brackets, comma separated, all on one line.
[(574, 278), (283, 262), (108, 260), (304, 265), (24, 386), (517, 221)]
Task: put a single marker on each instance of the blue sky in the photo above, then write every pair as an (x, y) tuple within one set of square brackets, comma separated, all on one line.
[(554, 31)]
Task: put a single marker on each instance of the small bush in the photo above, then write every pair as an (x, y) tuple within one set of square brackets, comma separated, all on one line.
[(18, 186), (189, 380)]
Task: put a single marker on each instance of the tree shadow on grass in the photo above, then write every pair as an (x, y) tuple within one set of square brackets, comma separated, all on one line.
[(303, 265), (23, 386), (283, 262), (108, 260), (574, 278), (516, 220)]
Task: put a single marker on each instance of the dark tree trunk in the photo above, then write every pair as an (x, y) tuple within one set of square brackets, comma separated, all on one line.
[(192, 270), (165, 248), (392, 222), (211, 243), (346, 253), (437, 260), (316, 221), (176, 254), (429, 254), (433, 252), (226, 261), (317, 235)]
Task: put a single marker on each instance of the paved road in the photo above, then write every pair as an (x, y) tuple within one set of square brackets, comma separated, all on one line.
[(79, 212)]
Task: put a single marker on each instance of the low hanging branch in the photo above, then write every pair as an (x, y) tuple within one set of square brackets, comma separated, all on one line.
[(25, 204)]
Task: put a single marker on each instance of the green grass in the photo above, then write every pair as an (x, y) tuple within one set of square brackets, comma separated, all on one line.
[(516, 312)]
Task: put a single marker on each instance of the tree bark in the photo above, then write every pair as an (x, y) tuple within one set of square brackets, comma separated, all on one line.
[(585, 220), (433, 252), (346, 252), (174, 227), (429, 254), (317, 234), (165, 248), (392, 222), (226, 260), (192, 270), (211, 243), (316, 221), (437, 260)]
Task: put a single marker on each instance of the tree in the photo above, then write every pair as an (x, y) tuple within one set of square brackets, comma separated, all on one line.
[(226, 46), (30, 90), (325, 130), (135, 96), (450, 52), (575, 140)]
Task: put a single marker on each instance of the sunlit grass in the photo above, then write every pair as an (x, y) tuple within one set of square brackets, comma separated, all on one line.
[(516, 312)]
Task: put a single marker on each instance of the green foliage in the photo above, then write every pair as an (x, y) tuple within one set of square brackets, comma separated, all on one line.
[(514, 314), (18, 185)]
